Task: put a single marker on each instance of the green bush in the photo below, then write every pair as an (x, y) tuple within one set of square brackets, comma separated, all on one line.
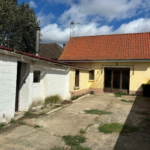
[(58, 148), (123, 100), (52, 99), (28, 114), (12, 120)]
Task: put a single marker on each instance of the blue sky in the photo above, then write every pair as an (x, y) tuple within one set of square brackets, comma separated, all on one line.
[(95, 17)]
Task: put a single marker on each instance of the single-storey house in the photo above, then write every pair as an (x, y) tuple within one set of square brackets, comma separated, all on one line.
[(118, 62), (27, 79)]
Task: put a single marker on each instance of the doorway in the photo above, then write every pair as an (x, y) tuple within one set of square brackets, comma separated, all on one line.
[(18, 85), (117, 80)]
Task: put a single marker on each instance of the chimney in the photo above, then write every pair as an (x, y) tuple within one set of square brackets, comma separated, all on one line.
[(37, 40), (64, 45)]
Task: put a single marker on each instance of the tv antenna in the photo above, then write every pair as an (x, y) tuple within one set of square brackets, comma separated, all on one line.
[(72, 23)]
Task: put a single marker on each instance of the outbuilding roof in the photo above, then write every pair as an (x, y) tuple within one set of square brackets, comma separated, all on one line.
[(50, 50), (17, 53), (108, 47)]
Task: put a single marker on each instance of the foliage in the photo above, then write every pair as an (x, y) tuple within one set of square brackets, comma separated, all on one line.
[(37, 126), (12, 120), (74, 140), (2, 125), (96, 111), (18, 25), (27, 114), (119, 94), (79, 147), (123, 100), (76, 97), (116, 127), (82, 131), (58, 148), (21, 122), (52, 99)]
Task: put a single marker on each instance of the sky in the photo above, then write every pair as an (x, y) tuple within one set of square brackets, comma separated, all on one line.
[(90, 17)]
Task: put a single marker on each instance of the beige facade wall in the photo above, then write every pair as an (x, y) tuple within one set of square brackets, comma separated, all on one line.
[(141, 74), (83, 81)]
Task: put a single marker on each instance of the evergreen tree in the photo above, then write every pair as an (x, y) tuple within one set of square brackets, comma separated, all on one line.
[(18, 26)]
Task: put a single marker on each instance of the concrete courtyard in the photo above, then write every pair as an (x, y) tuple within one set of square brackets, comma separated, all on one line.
[(70, 119)]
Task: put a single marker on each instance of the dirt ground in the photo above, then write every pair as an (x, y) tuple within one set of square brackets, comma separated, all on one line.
[(70, 119)]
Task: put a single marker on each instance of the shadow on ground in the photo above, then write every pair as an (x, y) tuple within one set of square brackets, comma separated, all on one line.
[(139, 116)]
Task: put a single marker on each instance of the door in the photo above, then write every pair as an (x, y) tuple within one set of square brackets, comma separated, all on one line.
[(116, 79), (18, 85)]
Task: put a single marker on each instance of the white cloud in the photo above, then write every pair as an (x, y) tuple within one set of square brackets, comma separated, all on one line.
[(53, 33), (44, 19), (104, 9), (32, 4), (135, 26)]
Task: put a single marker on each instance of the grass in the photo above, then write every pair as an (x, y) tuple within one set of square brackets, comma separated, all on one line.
[(116, 127), (12, 120), (52, 99), (37, 126), (96, 111), (2, 125), (74, 140), (27, 114), (119, 94), (82, 131), (21, 122), (79, 147), (123, 100), (58, 148)]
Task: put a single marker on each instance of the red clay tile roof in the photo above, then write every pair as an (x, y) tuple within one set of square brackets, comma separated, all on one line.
[(39, 57), (108, 47)]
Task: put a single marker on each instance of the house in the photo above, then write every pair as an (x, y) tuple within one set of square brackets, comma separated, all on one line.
[(50, 50), (118, 62), (27, 79)]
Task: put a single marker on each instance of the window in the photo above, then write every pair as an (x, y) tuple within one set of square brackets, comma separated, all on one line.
[(77, 78), (36, 76), (91, 75)]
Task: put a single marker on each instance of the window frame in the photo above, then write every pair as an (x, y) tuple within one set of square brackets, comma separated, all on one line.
[(91, 71), (39, 76)]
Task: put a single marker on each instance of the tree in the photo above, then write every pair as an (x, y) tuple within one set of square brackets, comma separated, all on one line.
[(18, 26)]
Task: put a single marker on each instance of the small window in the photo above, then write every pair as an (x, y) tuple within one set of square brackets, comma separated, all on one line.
[(77, 78), (36, 76), (91, 75)]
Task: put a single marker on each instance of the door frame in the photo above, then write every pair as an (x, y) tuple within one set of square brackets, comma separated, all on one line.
[(112, 74), (18, 85)]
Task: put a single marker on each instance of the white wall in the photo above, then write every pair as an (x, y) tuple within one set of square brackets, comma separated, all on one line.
[(54, 80), (8, 75)]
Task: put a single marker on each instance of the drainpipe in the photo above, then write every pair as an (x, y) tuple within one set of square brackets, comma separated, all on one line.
[(37, 40)]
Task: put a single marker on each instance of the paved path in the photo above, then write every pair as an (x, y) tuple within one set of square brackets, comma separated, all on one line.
[(70, 119)]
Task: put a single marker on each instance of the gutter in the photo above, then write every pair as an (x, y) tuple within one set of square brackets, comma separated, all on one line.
[(116, 60), (38, 59)]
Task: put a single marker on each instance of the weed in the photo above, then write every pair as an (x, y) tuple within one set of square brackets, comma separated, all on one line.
[(74, 140), (132, 94), (37, 126), (123, 100), (82, 131), (96, 118), (52, 99), (21, 122), (119, 94), (12, 120), (2, 125), (96, 111), (79, 147), (58, 148), (116, 127), (28, 114), (77, 96)]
